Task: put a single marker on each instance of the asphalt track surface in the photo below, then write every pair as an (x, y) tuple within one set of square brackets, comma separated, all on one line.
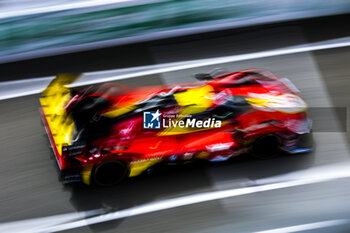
[(30, 187)]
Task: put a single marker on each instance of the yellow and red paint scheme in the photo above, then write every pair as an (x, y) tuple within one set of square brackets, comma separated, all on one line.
[(274, 108)]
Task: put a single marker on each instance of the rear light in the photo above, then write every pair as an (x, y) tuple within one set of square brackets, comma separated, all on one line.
[(74, 155)]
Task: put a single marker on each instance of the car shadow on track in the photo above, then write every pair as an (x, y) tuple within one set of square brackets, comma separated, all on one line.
[(173, 181), (136, 191)]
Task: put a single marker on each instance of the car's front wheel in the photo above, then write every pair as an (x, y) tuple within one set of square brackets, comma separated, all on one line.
[(266, 147)]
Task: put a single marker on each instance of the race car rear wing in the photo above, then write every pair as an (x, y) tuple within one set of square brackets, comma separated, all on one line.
[(58, 125)]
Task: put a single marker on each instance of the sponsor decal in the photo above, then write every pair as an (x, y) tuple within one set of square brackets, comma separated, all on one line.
[(155, 120)]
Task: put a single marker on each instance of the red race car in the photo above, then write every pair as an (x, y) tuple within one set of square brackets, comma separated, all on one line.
[(102, 134)]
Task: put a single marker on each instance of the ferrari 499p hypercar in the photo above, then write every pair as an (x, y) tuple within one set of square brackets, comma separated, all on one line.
[(102, 134)]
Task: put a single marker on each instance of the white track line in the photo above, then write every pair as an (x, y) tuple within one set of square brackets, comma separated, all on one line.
[(113, 75), (323, 172), (311, 176), (183, 201), (39, 223), (307, 227)]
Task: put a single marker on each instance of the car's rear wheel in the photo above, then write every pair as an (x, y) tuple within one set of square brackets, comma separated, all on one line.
[(109, 173), (267, 147)]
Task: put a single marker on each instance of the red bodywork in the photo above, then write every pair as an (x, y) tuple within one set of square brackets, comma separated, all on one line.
[(270, 101)]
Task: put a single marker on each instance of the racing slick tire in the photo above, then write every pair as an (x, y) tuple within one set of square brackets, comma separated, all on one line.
[(109, 173), (266, 147)]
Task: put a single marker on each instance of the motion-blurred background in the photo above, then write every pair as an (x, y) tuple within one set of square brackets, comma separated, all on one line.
[(34, 26), (149, 42)]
